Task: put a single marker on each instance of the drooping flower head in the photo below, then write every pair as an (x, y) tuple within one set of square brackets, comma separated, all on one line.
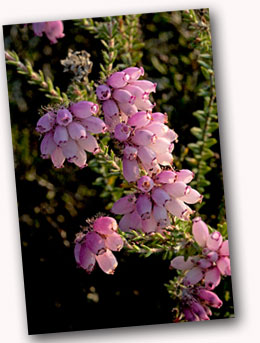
[(97, 244), (68, 133)]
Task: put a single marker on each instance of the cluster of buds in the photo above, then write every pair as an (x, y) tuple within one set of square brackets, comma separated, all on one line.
[(123, 95), (97, 245), (211, 263), (68, 133), (196, 303), (146, 142), (202, 272), (52, 29), (148, 208)]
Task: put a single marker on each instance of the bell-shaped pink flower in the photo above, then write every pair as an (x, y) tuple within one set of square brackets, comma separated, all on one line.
[(80, 159), (165, 159), (210, 298), (94, 125), (177, 189), (192, 196), (122, 132), (60, 135), (130, 170), (134, 73), (107, 262), (223, 265), (193, 276), (143, 137), (86, 258), (95, 243), (160, 117), (166, 176), (144, 206), (124, 205), (159, 196), (64, 117), (214, 241), (212, 278), (147, 157), (76, 131), (198, 309), (161, 216), (89, 143), (127, 108), (145, 85), (130, 152), (204, 263), (114, 242), (103, 92), (200, 232), (84, 109), (47, 145), (139, 119), (54, 30), (105, 225), (212, 256), (149, 224), (46, 122), (70, 149), (110, 108), (122, 95), (184, 175), (130, 221), (178, 209), (118, 79), (145, 184), (179, 263), (57, 158)]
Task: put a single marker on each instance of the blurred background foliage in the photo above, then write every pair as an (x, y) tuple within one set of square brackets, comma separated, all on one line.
[(175, 50)]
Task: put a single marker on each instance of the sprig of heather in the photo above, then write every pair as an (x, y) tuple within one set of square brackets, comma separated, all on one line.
[(68, 133), (201, 273), (96, 244)]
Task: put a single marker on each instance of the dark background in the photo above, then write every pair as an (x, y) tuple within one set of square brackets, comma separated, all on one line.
[(53, 204)]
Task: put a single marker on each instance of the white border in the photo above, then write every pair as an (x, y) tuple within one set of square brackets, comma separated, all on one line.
[(235, 29)]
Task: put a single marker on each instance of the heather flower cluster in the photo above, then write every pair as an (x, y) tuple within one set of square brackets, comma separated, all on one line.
[(97, 245), (196, 303), (52, 29), (205, 268), (165, 193), (124, 95), (67, 133)]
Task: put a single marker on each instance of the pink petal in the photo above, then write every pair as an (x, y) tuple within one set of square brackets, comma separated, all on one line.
[(103, 92), (185, 175), (139, 119), (122, 132), (145, 184), (70, 149), (47, 145), (76, 131), (149, 225), (130, 221), (166, 176), (94, 125), (118, 79), (224, 249), (177, 189), (123, 96), (223, 265), (60, 135), (212, 278), (86, 259), (89, 143), (210, 297)]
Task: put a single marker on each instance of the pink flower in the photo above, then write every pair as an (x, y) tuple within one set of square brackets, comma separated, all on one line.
[(200, 232), (52, 29), (96, 245), (68, 133)]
